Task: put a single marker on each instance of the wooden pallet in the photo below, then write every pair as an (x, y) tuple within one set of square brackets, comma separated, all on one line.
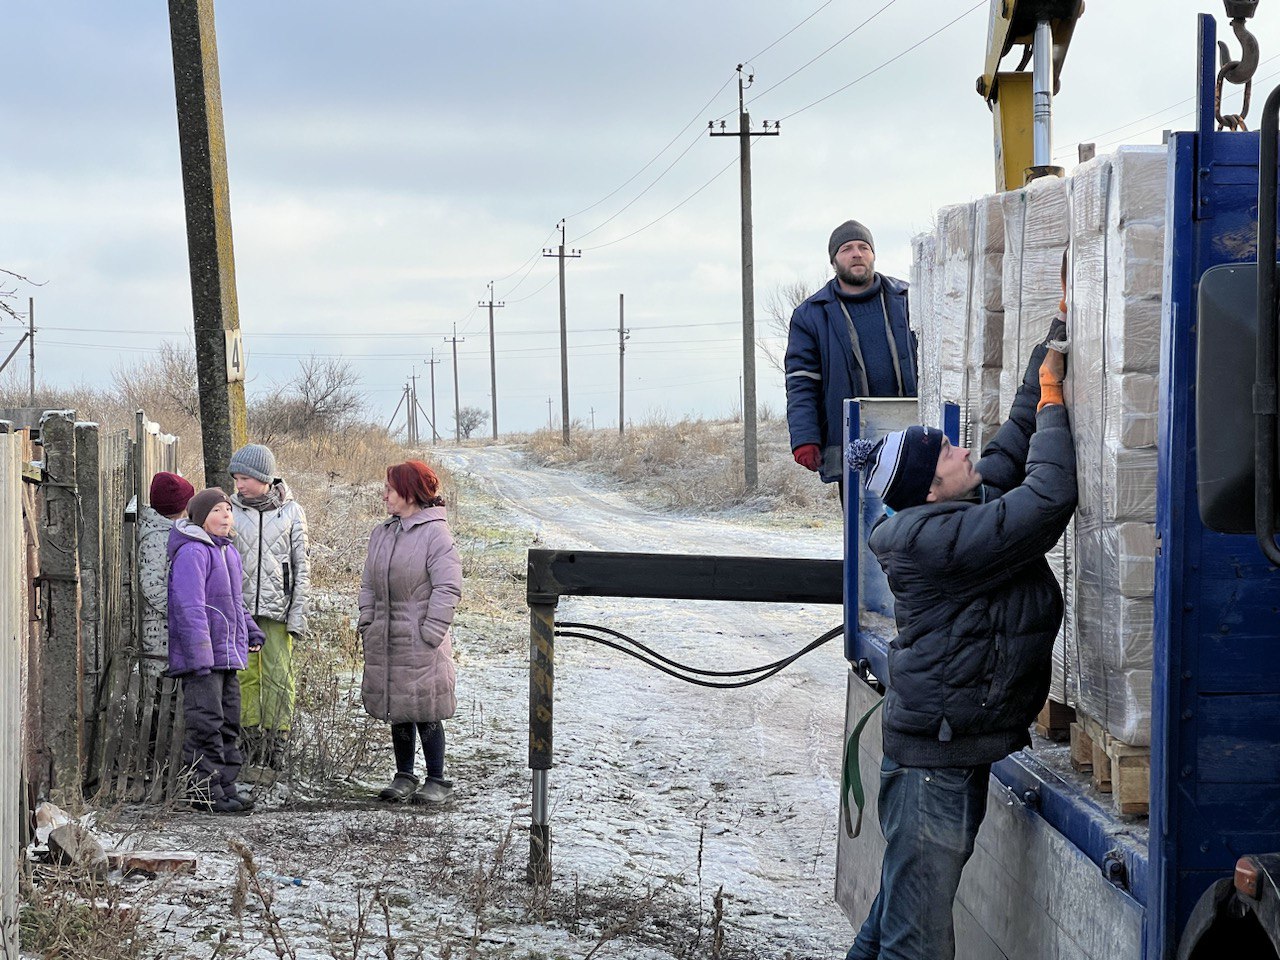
[(1054, 720), (1117, 768)]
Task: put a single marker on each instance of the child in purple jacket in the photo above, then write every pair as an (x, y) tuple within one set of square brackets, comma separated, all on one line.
[(210, 636)]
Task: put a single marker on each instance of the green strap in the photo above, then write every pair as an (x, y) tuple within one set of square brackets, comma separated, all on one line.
[(851, 775)]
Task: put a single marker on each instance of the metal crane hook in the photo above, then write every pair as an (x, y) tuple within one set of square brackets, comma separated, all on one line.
[(1237, 71)]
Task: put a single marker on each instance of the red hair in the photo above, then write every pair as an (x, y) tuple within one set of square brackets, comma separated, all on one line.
[(415, 482)]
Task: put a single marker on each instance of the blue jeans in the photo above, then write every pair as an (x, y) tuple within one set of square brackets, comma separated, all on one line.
[(930, 818)]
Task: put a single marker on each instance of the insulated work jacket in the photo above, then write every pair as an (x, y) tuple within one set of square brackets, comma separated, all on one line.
[(823, 369), (976, 604), (412, 581), (273, 547), (209, 628)]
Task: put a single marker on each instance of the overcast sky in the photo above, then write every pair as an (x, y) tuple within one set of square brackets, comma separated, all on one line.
[(388, 159)]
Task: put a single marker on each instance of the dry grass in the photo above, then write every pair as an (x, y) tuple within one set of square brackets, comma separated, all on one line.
[(691, 464)]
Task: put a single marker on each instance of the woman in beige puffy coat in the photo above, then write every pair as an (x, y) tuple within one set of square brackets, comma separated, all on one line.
[(412, 582)]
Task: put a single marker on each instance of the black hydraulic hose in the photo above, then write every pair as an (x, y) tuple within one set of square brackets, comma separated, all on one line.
[(1264, 388), (659, 662)]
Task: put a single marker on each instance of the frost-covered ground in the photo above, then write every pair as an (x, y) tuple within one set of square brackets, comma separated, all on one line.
[(662, 793)]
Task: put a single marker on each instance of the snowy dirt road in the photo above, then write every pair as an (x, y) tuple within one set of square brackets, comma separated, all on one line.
[(662, 793), (646, 765)]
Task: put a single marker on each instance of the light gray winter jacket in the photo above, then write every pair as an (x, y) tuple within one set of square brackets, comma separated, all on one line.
[(412, 582), (274, 548), (153, 578)]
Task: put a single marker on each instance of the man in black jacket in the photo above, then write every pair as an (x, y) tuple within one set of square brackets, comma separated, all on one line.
[(977, 609)]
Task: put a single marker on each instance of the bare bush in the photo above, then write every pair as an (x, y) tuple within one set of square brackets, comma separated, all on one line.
[(778, 307), (165, 385), (323, 398), (691, 464), (65, 917)]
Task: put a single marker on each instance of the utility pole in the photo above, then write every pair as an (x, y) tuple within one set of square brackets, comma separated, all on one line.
[(395, 413), (623, 335), (31, 348), (431, 365), (744, 135), (216, 314), (413, 408), (493, 363), (457, 411), (593, 419), (560, 254), (550, 423)]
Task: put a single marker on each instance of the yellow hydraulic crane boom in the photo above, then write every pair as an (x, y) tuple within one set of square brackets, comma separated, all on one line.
[(1021, 102)]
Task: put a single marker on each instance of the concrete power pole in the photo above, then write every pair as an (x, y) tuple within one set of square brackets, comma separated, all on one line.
[(31, 349), (744, 135), (457, 407), (493, 363), (220, 359), (431, 365), (623, 334), (413, 408), (561, 254)]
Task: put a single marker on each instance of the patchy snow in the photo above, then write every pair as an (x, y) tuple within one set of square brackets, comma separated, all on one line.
[(662, 793)]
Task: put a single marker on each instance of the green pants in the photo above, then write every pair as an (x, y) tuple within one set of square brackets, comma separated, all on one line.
[(268, 687)]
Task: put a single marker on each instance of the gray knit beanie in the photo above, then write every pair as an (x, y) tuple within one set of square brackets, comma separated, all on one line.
[(254, 460), (849, 230)]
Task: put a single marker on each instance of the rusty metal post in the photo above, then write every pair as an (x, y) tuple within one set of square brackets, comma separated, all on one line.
[(203, 147), (542, 658)]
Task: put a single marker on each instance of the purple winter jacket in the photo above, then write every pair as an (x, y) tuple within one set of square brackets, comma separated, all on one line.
[(209, 627)]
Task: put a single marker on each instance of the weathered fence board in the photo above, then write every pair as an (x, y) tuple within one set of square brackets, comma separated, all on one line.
[(13, 631)]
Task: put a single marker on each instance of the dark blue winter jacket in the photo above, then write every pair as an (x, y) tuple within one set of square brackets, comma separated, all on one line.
[(823, 369), (976, 605)]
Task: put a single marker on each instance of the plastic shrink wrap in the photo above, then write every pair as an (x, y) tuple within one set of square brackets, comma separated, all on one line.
[(1117, 255)]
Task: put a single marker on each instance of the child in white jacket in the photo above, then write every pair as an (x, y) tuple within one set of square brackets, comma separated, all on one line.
[(271, 537)]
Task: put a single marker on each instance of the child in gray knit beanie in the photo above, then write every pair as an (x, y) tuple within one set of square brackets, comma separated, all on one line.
[(271, 537)]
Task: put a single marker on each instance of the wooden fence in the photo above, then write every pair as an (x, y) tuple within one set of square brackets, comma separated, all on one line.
[(13, 648), (143, 731)]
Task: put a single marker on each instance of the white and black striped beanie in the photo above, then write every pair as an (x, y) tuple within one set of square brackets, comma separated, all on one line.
[(899, 468)]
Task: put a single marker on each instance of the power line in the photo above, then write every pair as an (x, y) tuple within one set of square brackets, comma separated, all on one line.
[(717, 176), (1172, 106), (823, 53), (400, 336), (893, 59), (789, 32), (653, 183), (697, 115), (530, 296)]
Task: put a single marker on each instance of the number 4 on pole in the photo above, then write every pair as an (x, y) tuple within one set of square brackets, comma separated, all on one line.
[(235, 356)]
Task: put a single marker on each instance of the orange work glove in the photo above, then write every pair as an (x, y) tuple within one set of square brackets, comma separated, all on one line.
[(1052, 370)]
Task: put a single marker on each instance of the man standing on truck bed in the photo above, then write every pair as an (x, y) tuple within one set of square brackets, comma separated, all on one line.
[(977, 610), (850, 339)]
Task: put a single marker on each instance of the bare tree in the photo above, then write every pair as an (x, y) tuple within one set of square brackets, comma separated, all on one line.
[(165, 382), (323, 397), (9, 294), (329, 391), (471, 419), (778, 307)]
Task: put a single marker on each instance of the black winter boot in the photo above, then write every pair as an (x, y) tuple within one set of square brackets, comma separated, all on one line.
[(400, 788)]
